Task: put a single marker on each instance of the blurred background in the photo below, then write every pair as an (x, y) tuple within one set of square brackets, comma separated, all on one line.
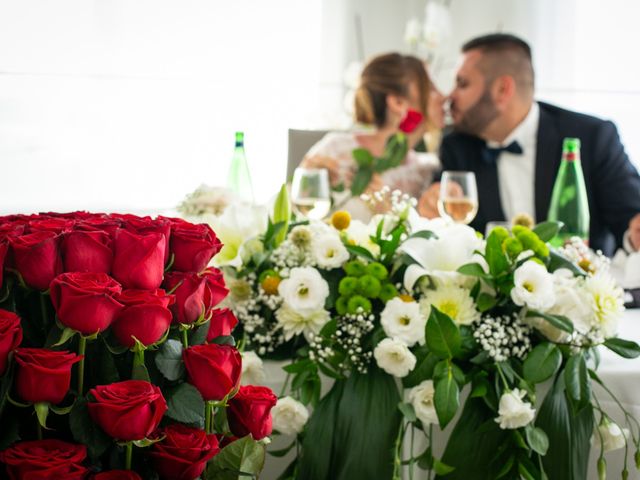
[(131, 104)]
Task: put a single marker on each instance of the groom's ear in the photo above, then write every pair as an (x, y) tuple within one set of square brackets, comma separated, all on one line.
[(503, 90)]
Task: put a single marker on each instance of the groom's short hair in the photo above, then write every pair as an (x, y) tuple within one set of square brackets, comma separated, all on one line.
[(504, 54)]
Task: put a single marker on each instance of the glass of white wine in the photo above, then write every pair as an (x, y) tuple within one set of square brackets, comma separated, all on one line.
[(458, 198), (310, 193)]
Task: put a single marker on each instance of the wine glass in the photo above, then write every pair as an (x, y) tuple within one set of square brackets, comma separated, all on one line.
[(310, 193), (458, 198)]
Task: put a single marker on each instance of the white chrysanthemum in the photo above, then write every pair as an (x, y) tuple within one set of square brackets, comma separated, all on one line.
[(329, 251), (513, 412), (394, 357), (452, 300), (360, 234), (442, 256), (252, 369), (305, 291), (237, 224), (533, 286), (612, 436), (289, 416), (404, 321), (294, 323), (421, 397), (607, 302)]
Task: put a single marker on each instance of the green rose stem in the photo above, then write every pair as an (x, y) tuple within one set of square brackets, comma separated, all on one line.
[(82, 346), (128, 455), (39, 429), (397, 461), (208, 407), (185, 338)]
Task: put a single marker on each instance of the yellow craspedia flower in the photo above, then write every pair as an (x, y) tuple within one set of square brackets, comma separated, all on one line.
[(270, 285), (341, 220), (523, 219), (406, 298)]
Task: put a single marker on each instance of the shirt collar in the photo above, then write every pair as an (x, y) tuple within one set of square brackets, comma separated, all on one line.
[(525, 131)]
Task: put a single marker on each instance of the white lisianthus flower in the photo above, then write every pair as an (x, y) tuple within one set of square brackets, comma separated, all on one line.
[(394, 357), (421, 397), (360, 234), (305, 291), (237, 224), (533, 286), (294, 323), (329, 252), (454, 301), (607, 302), (613, 437), (289, 416), (403, 320), (252, 369), (513, 411)]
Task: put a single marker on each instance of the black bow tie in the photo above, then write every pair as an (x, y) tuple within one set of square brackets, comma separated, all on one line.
[(490, 155)]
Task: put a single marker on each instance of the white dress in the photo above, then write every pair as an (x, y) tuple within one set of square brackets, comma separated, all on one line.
[(412, 177)]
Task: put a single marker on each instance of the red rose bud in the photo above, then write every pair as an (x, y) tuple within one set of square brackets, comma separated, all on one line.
[(86, 302), (145, 316), (411, 121), (43, 375), (223, 321), (87, 251), (10, 336), (138, 259), (213, 369), (193, 246), (45, 460), (217, 291), (249, 412), (128, 410), (193, 296), (183, 453), (37, 258), (117, 475), (143, 225)]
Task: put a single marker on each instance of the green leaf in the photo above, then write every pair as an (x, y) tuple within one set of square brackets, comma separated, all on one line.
[(282, 213), (624, 348), (407, 411), (547, 230), (443, 336), (67, 334), (242, 458), (558, 321), (542, 363), (537, 439), (224, 340), (283, 451), (140, 372), (299, 366), (423, 371), (426, 234), (577, 381), (442, 468), (185, 404), (486, 302), (42, 412), (473, 270), (446, 400), (494, 255), (363, 157), (86, 432), (169, 360), (361, 181), (557, 261), (199, 334), (360, 252)]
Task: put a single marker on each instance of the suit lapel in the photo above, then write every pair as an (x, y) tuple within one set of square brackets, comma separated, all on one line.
[(548, 152), (489, 202)]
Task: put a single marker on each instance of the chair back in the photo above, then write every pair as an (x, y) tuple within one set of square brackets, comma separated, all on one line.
[(300, 141)]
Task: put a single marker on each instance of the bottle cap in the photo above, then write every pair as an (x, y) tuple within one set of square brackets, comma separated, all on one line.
[(239, 138), (571, 145)]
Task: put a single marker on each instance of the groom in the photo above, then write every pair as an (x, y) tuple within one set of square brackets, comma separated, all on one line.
[(514, 146)]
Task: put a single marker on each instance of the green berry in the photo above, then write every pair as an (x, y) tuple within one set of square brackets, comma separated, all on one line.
[(500, 233), (541, 249), (342, 305), (369, 286), (378, 270), (387, 292), (355, 268), (512, 247), (356, 302), (519, 229), (528, 239), (348, 286)]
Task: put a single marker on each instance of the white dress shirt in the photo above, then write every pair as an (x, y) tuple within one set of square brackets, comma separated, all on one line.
[(516, 172)]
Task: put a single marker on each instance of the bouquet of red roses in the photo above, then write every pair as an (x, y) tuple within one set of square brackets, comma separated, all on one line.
[(110, 339)]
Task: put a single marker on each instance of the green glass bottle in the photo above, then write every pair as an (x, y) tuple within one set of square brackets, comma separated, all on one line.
[(239, 178), (569, 202)]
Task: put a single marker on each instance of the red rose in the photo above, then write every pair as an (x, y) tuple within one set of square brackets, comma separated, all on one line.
[(87, 251), (249, 412), (145, 316), (138, 259), (100, 222), (184, 452), (43, 375), (143, 225), (4, 247), (117, 475), (215, 284), (192, 294), (49, 224), (213, 369), (10, 336), (411, 121), (86, 301), (223, 321), (128, 410), (193, 246), (37, 258), (45, 460)]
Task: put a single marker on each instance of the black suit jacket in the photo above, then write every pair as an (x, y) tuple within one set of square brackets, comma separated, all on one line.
[(613, 184)]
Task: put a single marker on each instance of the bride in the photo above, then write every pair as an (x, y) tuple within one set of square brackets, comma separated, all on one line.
[(395, 93)]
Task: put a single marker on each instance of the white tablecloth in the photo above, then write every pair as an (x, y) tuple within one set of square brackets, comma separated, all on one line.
[(621, 375)]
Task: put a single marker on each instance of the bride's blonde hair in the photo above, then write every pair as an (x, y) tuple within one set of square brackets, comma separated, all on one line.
[(389, 74)]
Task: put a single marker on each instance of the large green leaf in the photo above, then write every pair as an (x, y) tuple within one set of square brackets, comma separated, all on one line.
[(282, 213), (624, 348), (446, 399), (576, 378), (169, 360), (558, 321), (240, 460), (352, 432), (443, 336), (542, 363), (86, 431), (185, 404), (547, 230)]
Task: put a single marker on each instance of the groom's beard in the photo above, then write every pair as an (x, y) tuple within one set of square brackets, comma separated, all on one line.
[(479, 116)]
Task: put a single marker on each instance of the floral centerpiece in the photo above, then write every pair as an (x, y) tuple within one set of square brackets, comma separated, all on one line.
[(403, 314), (115, 358)]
